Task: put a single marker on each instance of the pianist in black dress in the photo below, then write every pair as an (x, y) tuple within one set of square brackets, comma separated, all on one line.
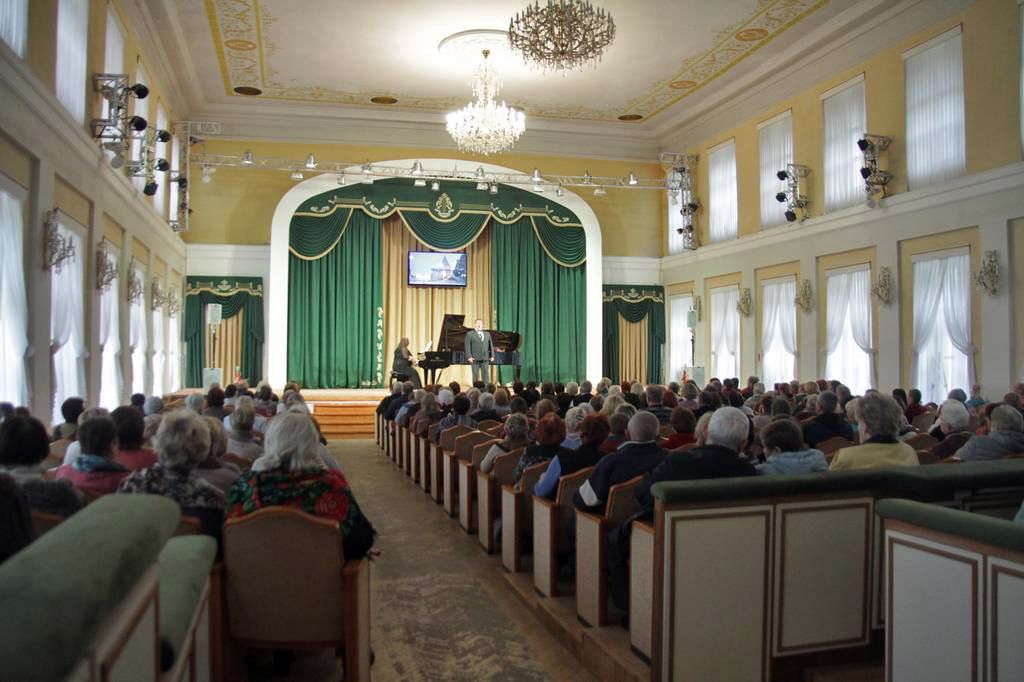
[(402, 364)]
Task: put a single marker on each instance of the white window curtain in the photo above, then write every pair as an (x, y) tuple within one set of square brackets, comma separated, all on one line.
[(776, 143), (724, 219), (845, 122), (173, 355), (942, 348), (172, 206), (848, 351), (72, 55), (681, 351), (160, 198), (138, 339), (141, 109), (778, 332), (13, 305), (111, 380), (67, 326), (114, 49), (935, 112), (725, 333), (14, 24), (159, 354)]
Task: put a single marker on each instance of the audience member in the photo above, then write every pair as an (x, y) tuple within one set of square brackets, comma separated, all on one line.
[(16, 529), (637, 456), (655, 403), (408, 410), (953, 422), (396, 404), (195, 402), (976, 400), (517, 435), (131, 428), (684, 423), (586, 394), (429, 413), (878, 425), (914, 406), (240, 439), (459, 416), (828, 423), (214, 469), (593, 431), (1005, 437), (548, 435), (502, 400), (153, 405), (617, 424), (24, 446), (573, 420), (71, 409), (748, 391), (690, 395), (783, 448), (95, 470), (485, 409), (137, 402)]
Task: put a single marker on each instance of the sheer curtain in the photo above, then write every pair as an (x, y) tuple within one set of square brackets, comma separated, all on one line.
[(942, 349), (681, 351), (776, 143), (935, 112), (173, 354), (725, 333), (113, 50), (67, 326), (14, 24), (848, 349), (13, 305), (722, 178), (72, 55), (137, 338), (111, 380), (159, 357), (845, 122), (778, 332)]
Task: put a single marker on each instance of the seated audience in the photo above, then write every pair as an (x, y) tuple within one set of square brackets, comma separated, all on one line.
[(709, 402), (24, 446), (292, 474), (95, 470), (544, 407), (617, 424), (459, 416), (564, 402), (690, 395), (152, 424), (502, 402), (396, 404), (573, 420), (783, 448), (878, 425), (230, 395), (485, 409), (240, 439), (828, 423), (1005, 437), (684, 423), (637, 456), (153, 405), (585, 395), (385, 402), (655, 403), (914, 406), (548, 435), (1013, 399), (748, 391), (429, 413), (612, 403), (407, 411), (215, 404), (213, 469), (131, 429), (976, 400), (953, 421), (900, 396), (517, 435), (71, 409), (75, 448), (195, 402), (137, 402), (593, 431), (16, 530)]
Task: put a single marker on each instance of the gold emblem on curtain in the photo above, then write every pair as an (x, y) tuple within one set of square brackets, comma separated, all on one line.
[(444, 207)]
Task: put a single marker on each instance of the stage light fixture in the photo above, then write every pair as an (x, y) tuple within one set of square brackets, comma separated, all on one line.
[(794, 199), (780, 197), (435, 186), (481, 185), (480, 175), (632, 180), (162, 165), (536, 175), (417, 168), (600, 191), (297, 175), (864, 144), (419, 182), (311, 162), (208, 172), (247, 159), (163, 136), (139, 90), (181, 181), (341, 179), (150, 188), (559, 191), (137, 123), (782, 175), (790, 216), (588, 179), (539, 188), (117, 161), (493, 189), (367, 168), (875, 178)]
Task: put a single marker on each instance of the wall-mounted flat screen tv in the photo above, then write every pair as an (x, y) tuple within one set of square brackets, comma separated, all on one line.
[(429, 269)]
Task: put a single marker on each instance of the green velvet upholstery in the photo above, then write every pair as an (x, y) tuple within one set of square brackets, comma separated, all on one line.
[(987, 529), (184, 567), (57, 592)]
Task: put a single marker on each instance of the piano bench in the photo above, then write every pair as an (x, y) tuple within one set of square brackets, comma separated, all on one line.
[(397, 376)]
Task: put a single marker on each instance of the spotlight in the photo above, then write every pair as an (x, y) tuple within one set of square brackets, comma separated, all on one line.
[(181, 181), (865, 172), (538, 188), (163, 136), (536, 176), (419, 182), (139, 90), (632, 178), (680, 230), (791, 215), (559, 191), (863, 144), (117, 161), (781, 197), (481, 185), (137, 123), (367, 168), (297, 175), (208, 172), (493, 189), (115, 147), (162, 165), (870, 201), (417, 169), (693, 207), (341, 179), (150, 189), (600, 191), (311, 162), (479, 173), (782, 175), (587, 178), (247, 158), (435, 186)]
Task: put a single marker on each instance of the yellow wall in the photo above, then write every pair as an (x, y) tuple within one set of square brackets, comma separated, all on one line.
[(140, 253), (991, 55), (835, 261), (112, 231), (237, 206), (15, 162), (71, 201)]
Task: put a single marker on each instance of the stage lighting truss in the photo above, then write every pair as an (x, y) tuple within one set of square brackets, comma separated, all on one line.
[(794, 199), (189, 134), (876, 180), (116, 131), (680, 192)]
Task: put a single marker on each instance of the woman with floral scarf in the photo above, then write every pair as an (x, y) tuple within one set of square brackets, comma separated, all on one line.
[(95, 470)]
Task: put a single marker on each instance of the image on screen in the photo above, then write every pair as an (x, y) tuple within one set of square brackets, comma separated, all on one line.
[(428, 269)]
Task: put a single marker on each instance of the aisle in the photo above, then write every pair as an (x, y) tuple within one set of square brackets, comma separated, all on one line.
[(441, 608)]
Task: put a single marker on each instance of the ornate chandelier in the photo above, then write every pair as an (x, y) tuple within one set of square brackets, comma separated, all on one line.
[(485, 126), (562, 36)]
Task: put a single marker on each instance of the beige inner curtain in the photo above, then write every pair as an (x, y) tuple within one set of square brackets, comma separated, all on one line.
[(227, 352), (633, 350), (417, 312)]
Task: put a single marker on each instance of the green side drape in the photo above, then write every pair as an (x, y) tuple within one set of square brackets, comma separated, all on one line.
[(335, 311), (252, 325), (568, 246), (543, 301), (649, 303), (311, 237), (451, 236)]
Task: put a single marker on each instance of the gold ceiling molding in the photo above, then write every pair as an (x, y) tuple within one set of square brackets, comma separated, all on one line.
[(244, 52)]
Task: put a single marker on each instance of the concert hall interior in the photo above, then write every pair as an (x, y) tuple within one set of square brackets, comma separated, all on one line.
[(512, 340)]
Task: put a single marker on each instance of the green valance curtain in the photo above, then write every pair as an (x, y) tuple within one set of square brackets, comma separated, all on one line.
[(233, 294), (633, 304), (542, 300)]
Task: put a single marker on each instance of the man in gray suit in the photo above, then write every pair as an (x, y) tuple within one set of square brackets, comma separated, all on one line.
[(479, 351)]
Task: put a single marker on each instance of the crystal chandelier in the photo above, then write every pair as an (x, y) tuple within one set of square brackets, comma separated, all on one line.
[(485, 126), (562, 36)]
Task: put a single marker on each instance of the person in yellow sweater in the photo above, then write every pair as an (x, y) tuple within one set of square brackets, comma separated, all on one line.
[(878, 425)]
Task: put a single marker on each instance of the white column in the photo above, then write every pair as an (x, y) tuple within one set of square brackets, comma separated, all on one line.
[(994, 355), (807, 351), (94, 358), (888, 354), (37, 283)]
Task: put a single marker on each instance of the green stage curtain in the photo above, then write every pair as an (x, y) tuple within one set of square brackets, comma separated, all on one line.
[(634, 303), (335, 313), (565, 245), (542, 300), (453, 236), (314, 237), (234, 294)]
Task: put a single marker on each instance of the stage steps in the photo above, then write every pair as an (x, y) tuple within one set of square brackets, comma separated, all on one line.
[(345, 418)]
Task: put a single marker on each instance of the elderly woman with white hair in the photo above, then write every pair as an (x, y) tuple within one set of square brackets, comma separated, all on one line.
[(573, 419), (240, 439), (292, 474), (485, 409), (878, 425)]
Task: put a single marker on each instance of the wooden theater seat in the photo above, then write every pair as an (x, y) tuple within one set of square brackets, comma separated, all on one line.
[(462, 449), (641, 589), (922, 441), (44, 521), (488, 493), (833, 445), (428, 483), (517, 516), (467, 482), (923, 422), (437, 465), (551, 528), (487, 425)]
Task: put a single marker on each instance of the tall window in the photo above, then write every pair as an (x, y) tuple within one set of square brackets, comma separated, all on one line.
[(681, 350), (845, 122), (724, 218), (113, 50), (67, 325), (111, 381), (173, 354), (725, 332), (14, 24), (141, 109), (72, 55), (935, 110), (778, 331), (775, 138), (138, 339), (13, 305), (848, 348), (942, 324), (160, 198)]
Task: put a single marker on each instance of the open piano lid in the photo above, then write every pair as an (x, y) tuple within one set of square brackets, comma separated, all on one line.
[(453, 335)]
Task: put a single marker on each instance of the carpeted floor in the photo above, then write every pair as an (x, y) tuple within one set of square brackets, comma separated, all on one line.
[(441, 609)]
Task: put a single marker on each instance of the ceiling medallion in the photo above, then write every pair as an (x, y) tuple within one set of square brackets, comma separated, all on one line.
[(564, 35), (383, 99), (485, 126), (630, 117), (248, 91)]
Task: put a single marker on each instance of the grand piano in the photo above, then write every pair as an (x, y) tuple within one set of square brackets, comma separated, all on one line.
[(451, 348)]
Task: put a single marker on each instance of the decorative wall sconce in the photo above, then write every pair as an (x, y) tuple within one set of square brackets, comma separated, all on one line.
[(173, 304), (793, 198), (745, 304), (56, 248), (882, 288), (875, 179), (136, 288), (987, 279), (106, 269), (159, 299), (680, 190), (805, 296)]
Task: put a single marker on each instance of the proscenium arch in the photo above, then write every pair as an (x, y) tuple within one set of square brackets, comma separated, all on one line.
[(276, 289)]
